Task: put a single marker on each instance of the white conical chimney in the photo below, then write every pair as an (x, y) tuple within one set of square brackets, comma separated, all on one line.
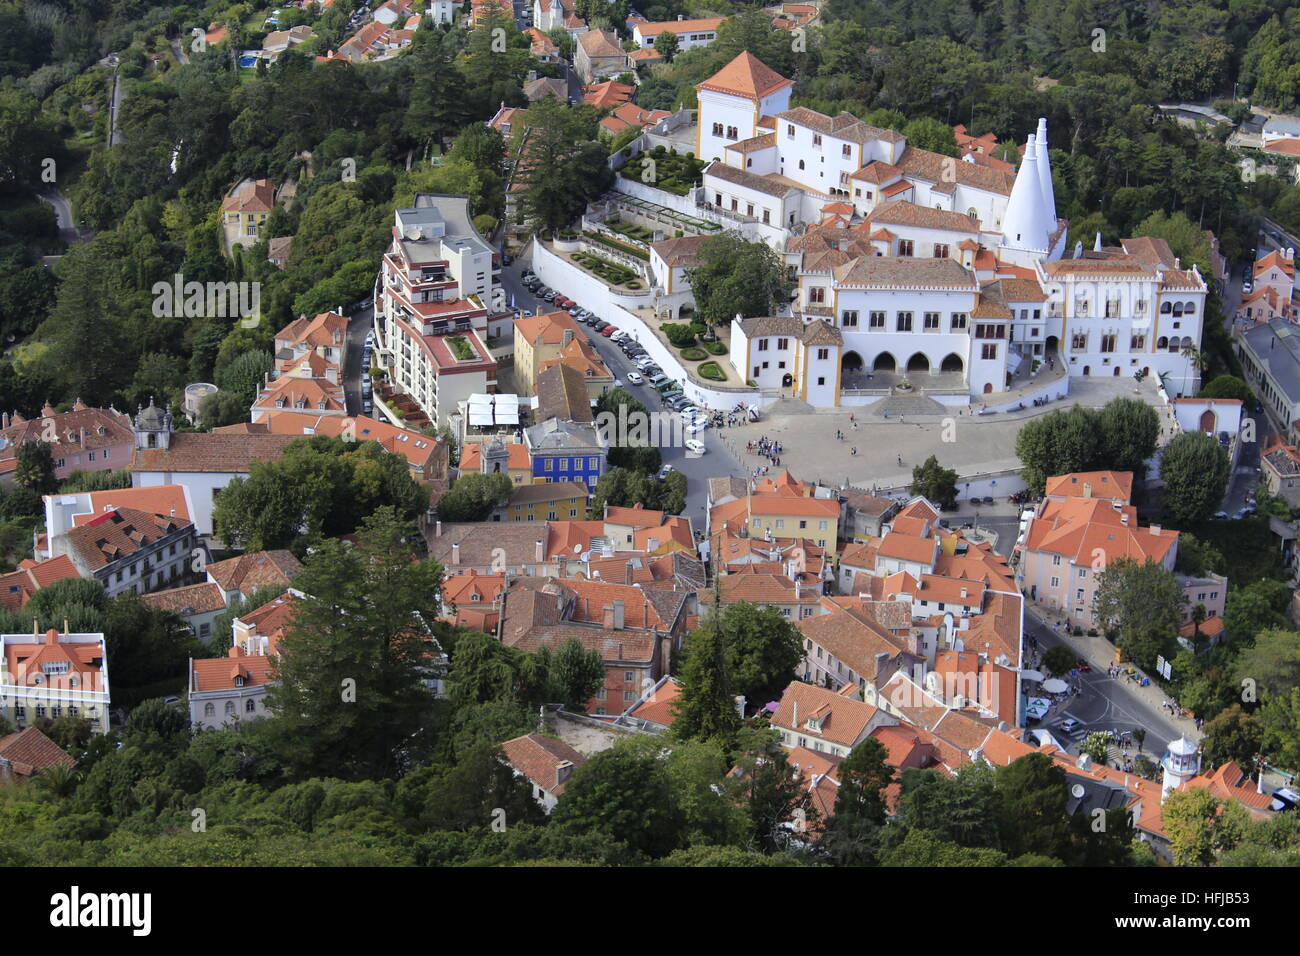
[(1023, 226), (1096, 246), (1045, 177)]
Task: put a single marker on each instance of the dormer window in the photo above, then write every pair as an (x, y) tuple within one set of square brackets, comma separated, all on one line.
[(239, 681)]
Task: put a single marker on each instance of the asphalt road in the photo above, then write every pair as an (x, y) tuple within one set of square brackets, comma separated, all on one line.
[(68, 231), (1103, 703), (114, 135), (359, 324), (717, 459)]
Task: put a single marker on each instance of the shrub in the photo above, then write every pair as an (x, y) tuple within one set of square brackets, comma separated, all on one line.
[(680, 334), (632, 284), (711, 370), (693, 354), (715, 348)]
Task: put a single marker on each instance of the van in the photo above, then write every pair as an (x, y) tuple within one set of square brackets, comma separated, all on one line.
[(658, 380)]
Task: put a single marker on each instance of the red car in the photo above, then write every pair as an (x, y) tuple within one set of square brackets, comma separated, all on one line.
[(1083, 665), (562, 302), (608, 330)]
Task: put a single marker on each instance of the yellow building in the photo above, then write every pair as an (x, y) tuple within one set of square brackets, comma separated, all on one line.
[(546, 501), (539, 338), (781, 507)]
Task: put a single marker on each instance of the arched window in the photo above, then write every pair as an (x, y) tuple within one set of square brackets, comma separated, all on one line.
[(1162, 343), (801, 164), (972, 213), (1189, 308), (209, 709), (1166, 308), (250, 705), (230, 707)]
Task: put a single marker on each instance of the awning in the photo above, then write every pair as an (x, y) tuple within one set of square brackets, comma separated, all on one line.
[(1055, 686)]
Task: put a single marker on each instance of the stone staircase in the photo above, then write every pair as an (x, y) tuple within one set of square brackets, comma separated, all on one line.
[(907, 405)]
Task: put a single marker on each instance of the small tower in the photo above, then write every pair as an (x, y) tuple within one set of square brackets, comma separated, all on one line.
[(495, 457), (1181, 764), (152, 427)]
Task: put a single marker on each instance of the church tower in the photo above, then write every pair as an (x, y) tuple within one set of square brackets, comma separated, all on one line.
[(495, 457), (152, 427)]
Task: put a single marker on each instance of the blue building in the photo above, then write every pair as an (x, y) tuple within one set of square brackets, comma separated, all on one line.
[(566, 451)]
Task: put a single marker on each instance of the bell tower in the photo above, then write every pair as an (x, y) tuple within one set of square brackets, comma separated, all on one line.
[(152, 427)]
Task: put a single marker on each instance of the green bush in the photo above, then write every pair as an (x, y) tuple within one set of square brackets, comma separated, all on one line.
[(694, 354), (715, 348), (680, 334), (712, 371), (632, 284)]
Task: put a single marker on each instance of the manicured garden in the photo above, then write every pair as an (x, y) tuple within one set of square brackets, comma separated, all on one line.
[(673, 172), (612, 244), (611, 272), (460, 347), (711, 370)]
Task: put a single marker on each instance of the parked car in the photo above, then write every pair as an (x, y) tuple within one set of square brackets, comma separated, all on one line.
[(618, 336), (507, 259), (1246, 288), (1284, 798), (1083, 665), (608, 330), (988, 500), (664, 472), (367, 407), (1221, 515), (1069, 725), (694, 446), (634, 378)]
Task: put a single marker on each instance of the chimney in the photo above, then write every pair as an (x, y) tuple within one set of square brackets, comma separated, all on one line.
[(796, 714), (235, 651), (1155, 530), (52, 636), (568, 336), (618, 617), (963, 592), (1087, 489), (455, 553), (1084, 762), (437, 528), (539, 552), (607, 619), (798, 588), (563, 770)]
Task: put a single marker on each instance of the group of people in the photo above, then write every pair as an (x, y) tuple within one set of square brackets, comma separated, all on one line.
[(767, 448)]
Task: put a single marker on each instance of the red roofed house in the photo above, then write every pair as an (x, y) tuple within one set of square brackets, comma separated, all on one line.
[(824, 721), (54, 675), (239, 577), (1069, 538), (655, 710), (245, 209), (199, 605), (28, 753), (689, 33), (736, 98), (84, 439), (259, 631), (131, 551), (546, 762), (17, 587), (600, 56), (225, 690)]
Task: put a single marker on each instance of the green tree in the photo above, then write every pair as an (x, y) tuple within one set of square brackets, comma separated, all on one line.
[(963, 809), (1058, 444), (935, 482), (350, 696), (1197, 557), (1058, 660), (222, 408), (1200, 827), (1256, 607), (776, 798), (666, 45), (576, 674), (706, 707), (1229, 386), (1140, 607), (1195, 470), (479, 791), (864, 776), (625, 792), (35, 468), (763, 650), (1033, 806), (474, 496), (734, 276), (562, 166), (1232, 735), (920, 848), (1130, 430), (1271, 664), (1097, 746)]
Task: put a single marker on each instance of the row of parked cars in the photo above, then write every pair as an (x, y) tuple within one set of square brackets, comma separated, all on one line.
[(647, 372)]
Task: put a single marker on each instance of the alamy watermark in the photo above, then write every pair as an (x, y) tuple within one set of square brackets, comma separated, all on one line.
[(208, 300)]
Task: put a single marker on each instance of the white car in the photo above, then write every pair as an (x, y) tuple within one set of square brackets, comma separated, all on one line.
[(634, 378), (695, 427), (694, 446), (617, 336)]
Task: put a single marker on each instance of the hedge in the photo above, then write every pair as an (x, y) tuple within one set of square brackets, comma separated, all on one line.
[(693, 354), (710, 370), (715, 348), (606, 241)]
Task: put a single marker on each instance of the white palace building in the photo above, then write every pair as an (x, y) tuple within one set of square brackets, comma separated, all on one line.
[(925, 271)]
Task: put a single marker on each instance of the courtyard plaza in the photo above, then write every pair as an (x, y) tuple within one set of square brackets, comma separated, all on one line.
[(916, 428)]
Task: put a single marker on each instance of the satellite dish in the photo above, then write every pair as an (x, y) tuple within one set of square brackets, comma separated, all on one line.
[(577, 549), (1077, 791)]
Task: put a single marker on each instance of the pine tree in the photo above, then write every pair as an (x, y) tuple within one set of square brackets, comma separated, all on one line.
[(706, 708)]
